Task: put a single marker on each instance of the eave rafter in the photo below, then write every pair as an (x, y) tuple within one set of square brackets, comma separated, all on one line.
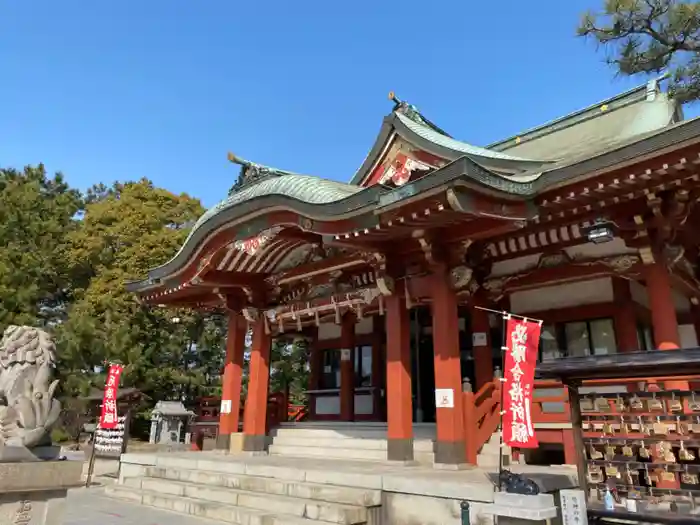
[(673, 170)]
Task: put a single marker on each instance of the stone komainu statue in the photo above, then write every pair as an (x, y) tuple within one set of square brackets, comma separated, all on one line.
[(28, 409)]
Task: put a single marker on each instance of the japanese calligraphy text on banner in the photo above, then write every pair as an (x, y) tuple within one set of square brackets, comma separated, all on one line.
[(522, 343), (109, 418)]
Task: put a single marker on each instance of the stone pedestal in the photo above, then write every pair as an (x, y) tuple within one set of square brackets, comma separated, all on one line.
[(35, 493), (236, 443)]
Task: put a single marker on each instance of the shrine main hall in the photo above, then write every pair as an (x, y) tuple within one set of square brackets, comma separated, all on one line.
[(396, 277)]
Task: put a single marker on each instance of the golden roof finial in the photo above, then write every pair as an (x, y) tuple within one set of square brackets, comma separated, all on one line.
[(237, 160)]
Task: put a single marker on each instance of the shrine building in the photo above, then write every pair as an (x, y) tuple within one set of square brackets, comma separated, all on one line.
[(586, 222)]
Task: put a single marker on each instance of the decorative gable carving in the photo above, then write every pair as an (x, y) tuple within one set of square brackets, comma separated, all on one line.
[(402, 163)]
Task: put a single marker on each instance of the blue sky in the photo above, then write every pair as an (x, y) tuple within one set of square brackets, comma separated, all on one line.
[(162, 89)]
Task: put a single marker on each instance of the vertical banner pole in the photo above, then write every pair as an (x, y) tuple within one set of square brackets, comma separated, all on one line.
[(504, 349), (91, 464)]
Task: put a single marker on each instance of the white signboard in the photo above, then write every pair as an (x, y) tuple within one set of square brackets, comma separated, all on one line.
[(444, 398), (573, 507), (345, 354), (479, 339), (225, 406)]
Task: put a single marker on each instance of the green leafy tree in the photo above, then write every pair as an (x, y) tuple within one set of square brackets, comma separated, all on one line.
[(37, 213), (650, 37), (289, 370), (127, 229)]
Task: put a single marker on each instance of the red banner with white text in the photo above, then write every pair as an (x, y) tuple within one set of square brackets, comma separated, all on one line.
[(522, 343), (109, 418)]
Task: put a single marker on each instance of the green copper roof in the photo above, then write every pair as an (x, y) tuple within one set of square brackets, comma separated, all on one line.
[(304, 188), (448, 142), (597, 127)]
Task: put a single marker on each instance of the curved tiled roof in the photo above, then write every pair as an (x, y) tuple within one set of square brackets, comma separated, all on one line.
[(312, 190), (304, 188), (445, 141)]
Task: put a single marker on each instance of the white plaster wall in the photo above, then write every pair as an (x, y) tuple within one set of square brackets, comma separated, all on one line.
[(689, 338), (332, 330), (681, 302), (562, 296), (639, 293), (640, 296)]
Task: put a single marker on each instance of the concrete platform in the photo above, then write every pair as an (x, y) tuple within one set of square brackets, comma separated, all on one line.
[(267, 490)]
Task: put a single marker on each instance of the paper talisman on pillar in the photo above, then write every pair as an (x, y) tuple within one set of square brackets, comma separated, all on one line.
[(479, 339), (225, 406), (345, 354), (522, 343), (109, 416), (444, 398)]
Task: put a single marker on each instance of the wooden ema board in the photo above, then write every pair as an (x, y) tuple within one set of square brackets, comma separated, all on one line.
[(643, 440), (644, 446)]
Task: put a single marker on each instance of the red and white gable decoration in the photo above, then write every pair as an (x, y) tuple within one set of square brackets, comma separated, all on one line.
[(400, 164), (399, 172)]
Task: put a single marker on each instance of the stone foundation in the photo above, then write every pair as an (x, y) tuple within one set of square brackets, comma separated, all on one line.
[(35, 493)]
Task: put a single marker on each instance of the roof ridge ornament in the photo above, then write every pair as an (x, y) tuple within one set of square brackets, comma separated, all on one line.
[(410, 111), (251, 173)]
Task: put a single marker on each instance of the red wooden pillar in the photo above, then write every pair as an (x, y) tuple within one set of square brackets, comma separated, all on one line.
[(450, 445), (255, 415), (347, 368), (663, 310), (378, 381), (570, 454), (483, 354), (398, 380), (231, 384), (625, 317), (663, 314)]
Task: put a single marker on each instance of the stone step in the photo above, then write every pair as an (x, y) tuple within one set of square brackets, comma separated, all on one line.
[(490, 448), (312, 451), (200, 509), (354, 454), (299, 489), (487, 461), (333, 433), (419, 445), (291, 506)]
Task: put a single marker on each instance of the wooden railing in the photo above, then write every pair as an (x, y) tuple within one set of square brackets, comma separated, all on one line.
[(297, 413), (481, 416), (550, 403), (482, 411)]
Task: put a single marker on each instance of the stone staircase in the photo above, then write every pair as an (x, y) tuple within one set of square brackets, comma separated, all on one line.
[(351, 442), (247, 495), (488, 455)]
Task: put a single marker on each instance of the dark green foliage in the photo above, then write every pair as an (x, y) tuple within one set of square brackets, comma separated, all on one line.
[(36, 214), (650, 37), (289, 368), (64, 261)]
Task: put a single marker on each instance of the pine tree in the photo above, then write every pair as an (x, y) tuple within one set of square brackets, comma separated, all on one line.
[(651, 37)]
